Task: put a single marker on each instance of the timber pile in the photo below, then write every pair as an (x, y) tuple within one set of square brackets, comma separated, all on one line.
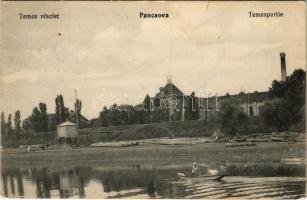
[(114, 144), (240, 144)]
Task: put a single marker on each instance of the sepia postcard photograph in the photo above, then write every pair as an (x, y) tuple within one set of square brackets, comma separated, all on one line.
[(153, 99)]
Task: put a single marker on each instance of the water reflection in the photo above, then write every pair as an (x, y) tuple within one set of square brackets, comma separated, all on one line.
[(13, 183), (68, 182), (81, 182), (134, 181)]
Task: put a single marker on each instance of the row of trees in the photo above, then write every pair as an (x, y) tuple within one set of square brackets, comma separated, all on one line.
[(7, 127), (286, 109), (61, 112), (39, 120), (149, 111)]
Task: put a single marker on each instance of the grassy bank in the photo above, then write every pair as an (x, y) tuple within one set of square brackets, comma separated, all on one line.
[(177, 129), (156, 155), (196, 128)]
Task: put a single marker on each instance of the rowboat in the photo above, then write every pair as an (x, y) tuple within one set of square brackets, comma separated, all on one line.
[(200, 178)]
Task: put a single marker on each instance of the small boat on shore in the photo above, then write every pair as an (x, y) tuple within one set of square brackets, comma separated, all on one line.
[(205, 177)]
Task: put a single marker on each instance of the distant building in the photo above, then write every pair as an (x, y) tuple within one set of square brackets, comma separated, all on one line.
[(96, 122), (170, 98), (173, 99), (249, 103), (177, 103), (52, 120), (82, 121), (67, 131)]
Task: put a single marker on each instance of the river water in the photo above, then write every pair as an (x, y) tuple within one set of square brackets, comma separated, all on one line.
[(135, 181)]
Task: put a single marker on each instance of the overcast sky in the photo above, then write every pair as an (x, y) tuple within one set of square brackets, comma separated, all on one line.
[(106, 46)]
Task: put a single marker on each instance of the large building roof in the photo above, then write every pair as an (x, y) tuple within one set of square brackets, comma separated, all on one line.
[(72, 117), (170, 89), (252, 97), (245, 97)]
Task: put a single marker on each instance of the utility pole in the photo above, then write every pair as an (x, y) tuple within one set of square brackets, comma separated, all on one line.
[(248, 104), (60, 114)]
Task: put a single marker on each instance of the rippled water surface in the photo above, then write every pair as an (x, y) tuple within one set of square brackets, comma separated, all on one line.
[(137, 182)]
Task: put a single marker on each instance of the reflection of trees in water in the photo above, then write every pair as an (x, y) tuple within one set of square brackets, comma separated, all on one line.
[(14, 177), (152, 181), (12, 183), (4, 183), (67, 181), (20, 184), (43, 184), (72, 181), (151, 190), (117, 180)]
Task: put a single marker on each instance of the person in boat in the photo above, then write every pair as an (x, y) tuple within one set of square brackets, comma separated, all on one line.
[(195, 169), (198, 169)]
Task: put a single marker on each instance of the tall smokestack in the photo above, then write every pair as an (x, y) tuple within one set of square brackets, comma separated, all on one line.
[(283, 66)]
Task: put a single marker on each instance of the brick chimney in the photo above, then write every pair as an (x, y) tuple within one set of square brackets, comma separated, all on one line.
[(283, 66)]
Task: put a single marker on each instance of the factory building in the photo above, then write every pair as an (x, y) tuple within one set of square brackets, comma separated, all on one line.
[(173, 99)]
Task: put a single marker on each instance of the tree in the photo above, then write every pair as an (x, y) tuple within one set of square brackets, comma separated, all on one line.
[(147, 109), (288, 106), (278, 89), (129, 114), (117, 115), (17, 121), (78, 106), (147, 103), (292, 89), (9, 124), (192, 107), (43, 117), (27, 123), (232, 119), (195, 107), (278, 114), (159, 111), (114, 114), (140, 113), (38, 120), (36, 116), (2, 123), (103, 116), (62, 113)]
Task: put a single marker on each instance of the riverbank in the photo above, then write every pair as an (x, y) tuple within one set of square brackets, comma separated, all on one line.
[(155, 155), (149, 171), (171, 129)]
